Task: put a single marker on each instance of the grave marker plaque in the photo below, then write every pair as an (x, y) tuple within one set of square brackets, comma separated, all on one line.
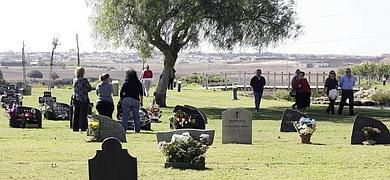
[(289, 116), (237, 126), (60, 111), (26, 117), (360, 122), (112, 162)]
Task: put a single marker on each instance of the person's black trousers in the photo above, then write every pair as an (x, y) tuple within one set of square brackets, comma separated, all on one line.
[(105, 108), (80, 111), (170, 83), (330, 108), (346, 94)]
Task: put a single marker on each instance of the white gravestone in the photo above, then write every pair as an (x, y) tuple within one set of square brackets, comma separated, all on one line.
[(237, 126)]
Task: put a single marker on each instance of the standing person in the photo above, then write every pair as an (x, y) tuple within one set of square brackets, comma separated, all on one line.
[(81, 87), (346, 84), (104, 91), (302, 92), (330, 89), (131, 95), (258, 83), (293, 90), (147, 76), (171, 79)]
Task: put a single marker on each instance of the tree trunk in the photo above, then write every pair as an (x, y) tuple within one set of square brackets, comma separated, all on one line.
[(169, 64)]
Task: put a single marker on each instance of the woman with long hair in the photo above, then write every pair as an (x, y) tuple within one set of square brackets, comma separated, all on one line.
[(131, 94), (330, 89)]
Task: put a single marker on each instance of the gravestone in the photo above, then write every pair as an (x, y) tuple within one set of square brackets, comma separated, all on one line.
[(146, 122), (360, 122), (194, 133), (109, 128), (25, 117), (237, 126), (195, 113), (60, 111), (289, 116), (115, 85), (112, 162)]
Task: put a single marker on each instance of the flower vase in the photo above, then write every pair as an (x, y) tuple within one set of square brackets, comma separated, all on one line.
[(305, 138)]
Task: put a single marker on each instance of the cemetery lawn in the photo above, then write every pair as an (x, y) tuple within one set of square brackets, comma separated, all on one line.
[(55, 152)]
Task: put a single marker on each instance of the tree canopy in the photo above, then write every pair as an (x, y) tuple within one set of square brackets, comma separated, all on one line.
[(171, 25), (35, 74)]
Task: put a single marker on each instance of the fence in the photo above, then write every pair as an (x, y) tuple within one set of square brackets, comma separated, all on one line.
[(274, 80)]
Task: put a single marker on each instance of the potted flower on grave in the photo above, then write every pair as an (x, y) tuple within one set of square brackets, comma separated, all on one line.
[(370, 134), (184, 152), (180, 120), (47, 111), (305, 127), (93, 129)]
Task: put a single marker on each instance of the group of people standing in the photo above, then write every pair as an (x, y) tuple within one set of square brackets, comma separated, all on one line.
[(300, 90), (131, 96)]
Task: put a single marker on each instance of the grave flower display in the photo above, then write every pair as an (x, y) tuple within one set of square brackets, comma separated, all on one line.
[(305, 127), (93, 128), (370, 134), (180, 120), (184, 151)]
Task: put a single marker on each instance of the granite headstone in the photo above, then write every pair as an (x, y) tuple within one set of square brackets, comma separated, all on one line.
[(358, 137), (237, 126), (287, 120)]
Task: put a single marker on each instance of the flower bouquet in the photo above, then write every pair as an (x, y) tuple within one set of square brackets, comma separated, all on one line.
[(93, 128), (305, 127), (184, 151), (370, 134), (181, 120)]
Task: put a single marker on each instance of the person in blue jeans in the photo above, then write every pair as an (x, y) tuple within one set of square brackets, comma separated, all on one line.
[(258, 83), (131, 94)]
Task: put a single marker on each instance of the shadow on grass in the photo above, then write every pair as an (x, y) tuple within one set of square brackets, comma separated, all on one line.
[(316, 112)]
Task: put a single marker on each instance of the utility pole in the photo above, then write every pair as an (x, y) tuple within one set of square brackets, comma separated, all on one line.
[(55, 44), (78, 50), (24, 65)]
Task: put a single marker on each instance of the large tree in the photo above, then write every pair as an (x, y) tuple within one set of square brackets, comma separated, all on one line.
[(171, 25)]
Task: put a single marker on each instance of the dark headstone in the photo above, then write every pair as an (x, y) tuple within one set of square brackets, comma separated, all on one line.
[(358, 137), (60, 111), (112, 162), (195, 113), (25, 117), (287, 120)]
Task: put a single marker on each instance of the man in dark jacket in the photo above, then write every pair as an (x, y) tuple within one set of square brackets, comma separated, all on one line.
[(258, 83)]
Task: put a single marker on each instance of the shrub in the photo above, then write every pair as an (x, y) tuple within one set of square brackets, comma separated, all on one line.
[(200, 79), (381, 97), (283, 94)]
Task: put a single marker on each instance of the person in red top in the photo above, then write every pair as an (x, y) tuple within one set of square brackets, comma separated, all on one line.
[(147, 76), (303, 92)]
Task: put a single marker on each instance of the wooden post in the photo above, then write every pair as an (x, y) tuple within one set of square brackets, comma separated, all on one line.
[(244, 81), (317, 79), (274, 82), (323, 77), (78, 50), (207, 81), (309, 76), (239, 78), (225, 82), (369, 79), (282, 79), (267, 77), (289, 81)]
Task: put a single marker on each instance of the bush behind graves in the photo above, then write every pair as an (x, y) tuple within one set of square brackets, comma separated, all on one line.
[(381, 97), (283, 94)]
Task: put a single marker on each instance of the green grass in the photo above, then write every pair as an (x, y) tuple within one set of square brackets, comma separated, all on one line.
[(55, 152)]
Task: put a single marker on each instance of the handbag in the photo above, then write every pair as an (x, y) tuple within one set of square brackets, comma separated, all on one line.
[(292, 93), (332, 94)]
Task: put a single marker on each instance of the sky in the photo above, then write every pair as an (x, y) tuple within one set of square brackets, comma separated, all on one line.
[(351, 27)]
